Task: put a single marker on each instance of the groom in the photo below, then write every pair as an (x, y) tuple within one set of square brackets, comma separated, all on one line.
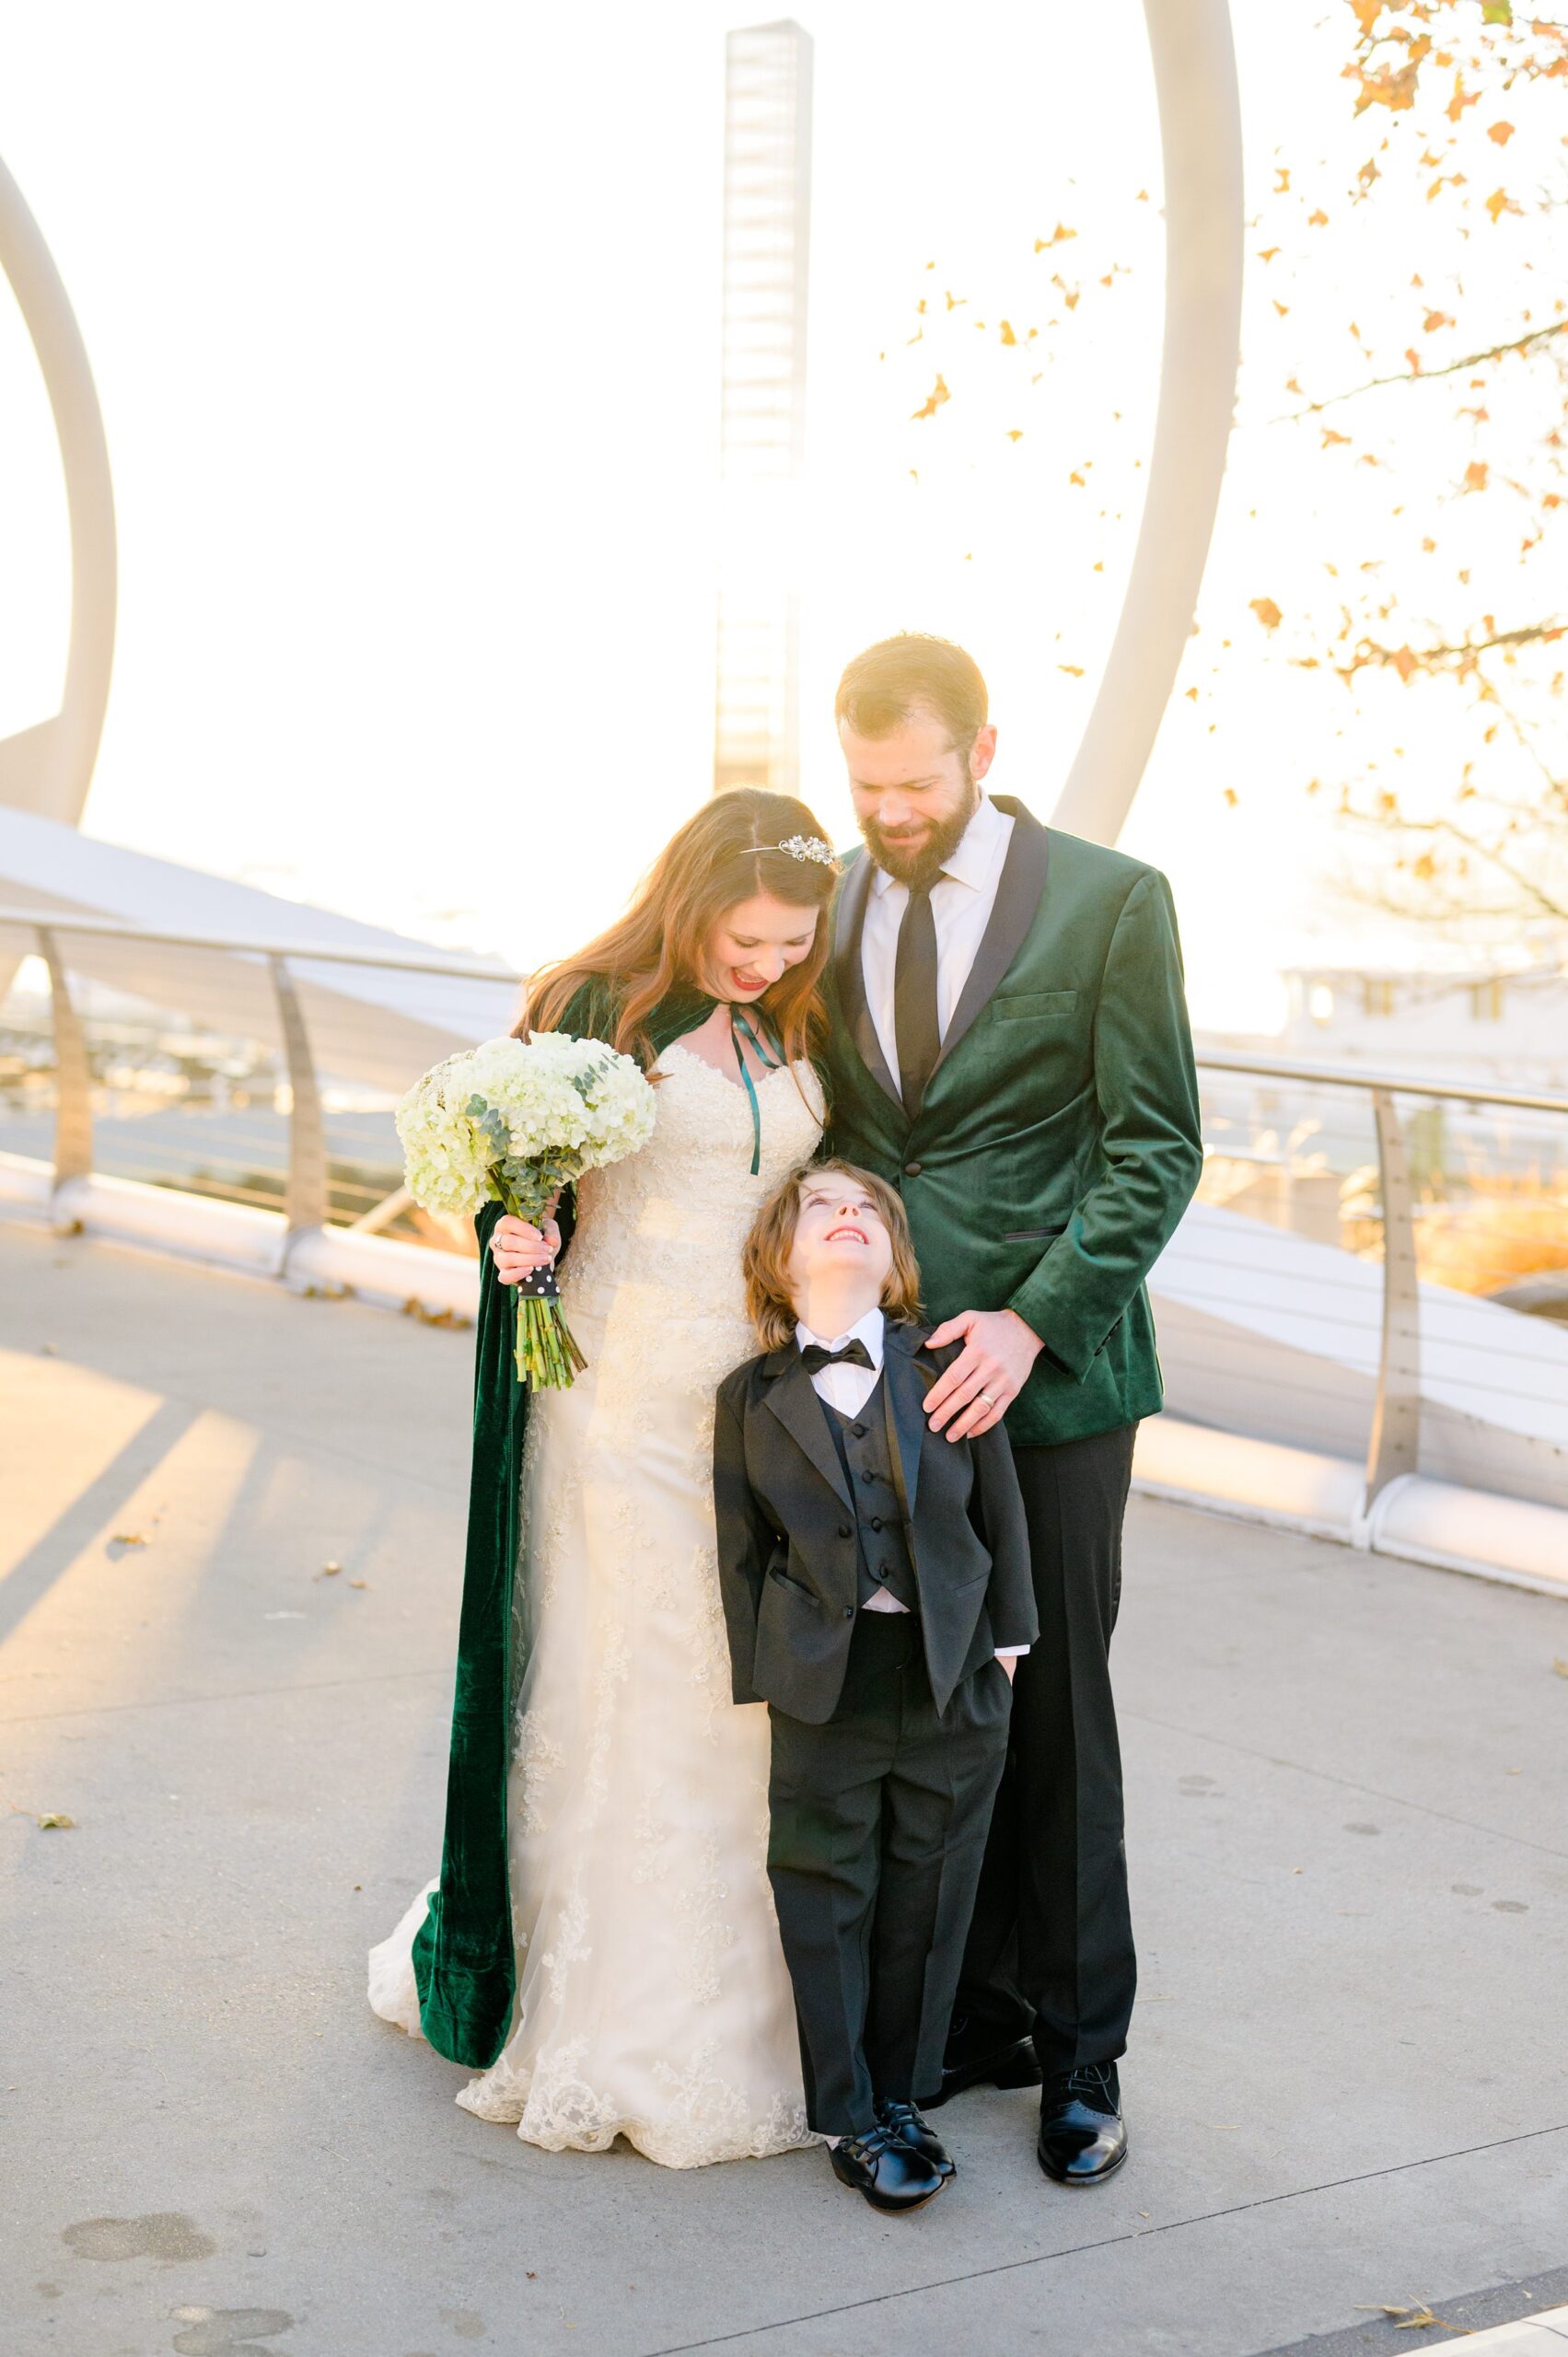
[(1010, 1048)]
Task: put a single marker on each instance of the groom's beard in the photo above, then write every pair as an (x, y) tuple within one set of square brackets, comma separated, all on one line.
[(921, 863)]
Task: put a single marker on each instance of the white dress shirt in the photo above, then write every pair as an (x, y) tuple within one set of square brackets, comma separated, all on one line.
[(848, 1387), (962, 900)]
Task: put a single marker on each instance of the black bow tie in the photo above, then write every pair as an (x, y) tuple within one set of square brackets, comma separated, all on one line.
[(814, 1357)]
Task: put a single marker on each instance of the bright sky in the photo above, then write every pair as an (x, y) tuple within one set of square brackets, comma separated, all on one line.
[(405, 332)]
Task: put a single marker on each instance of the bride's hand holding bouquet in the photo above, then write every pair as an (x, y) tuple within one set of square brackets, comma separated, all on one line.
[(513, 1121)]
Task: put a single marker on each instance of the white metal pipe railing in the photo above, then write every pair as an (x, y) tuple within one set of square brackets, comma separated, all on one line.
[(1394, 1444)]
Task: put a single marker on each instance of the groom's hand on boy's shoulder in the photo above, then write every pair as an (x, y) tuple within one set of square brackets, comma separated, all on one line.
[(987, 1376)]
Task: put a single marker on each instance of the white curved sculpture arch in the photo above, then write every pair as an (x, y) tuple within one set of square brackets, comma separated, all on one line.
[(47, 768), (1194, 63)]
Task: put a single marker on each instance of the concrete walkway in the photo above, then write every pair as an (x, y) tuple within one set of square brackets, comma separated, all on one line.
[(1349, 2082)]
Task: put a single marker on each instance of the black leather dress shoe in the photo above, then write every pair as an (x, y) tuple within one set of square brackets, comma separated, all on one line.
[(977, 2051), (919, 2136), (891, 2174), (1082, 2135)]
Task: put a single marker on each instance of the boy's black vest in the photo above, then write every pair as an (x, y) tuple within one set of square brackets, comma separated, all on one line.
[(884, 1557)]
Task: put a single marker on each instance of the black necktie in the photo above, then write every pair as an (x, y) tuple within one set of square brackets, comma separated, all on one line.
[(814, 1356), (916, 1029)]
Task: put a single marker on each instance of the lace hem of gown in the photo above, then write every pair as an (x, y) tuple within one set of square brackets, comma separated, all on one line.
[(702, 2117)]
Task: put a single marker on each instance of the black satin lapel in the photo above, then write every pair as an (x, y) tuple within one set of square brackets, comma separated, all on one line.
[(904, 1395), (1017, 903), (800, 1412), (850, 977)]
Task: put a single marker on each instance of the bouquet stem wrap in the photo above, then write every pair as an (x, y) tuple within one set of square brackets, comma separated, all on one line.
[(547, 1356)]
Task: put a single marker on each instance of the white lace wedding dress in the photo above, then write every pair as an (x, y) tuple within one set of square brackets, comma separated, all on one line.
[(652, 1997)]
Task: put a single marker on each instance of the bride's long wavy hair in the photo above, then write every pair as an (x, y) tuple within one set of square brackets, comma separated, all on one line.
[(717, 859)]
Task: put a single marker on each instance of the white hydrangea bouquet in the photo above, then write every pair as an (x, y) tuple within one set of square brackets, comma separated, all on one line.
[(513, 1121)]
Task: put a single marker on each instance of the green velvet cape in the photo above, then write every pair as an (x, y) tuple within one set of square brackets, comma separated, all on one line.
[(463, 1957)]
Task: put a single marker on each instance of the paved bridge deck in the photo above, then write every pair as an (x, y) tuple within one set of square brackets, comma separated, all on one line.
[(1349, 2083)]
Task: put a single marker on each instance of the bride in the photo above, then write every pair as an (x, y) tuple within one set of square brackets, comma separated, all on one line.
[(648, 1997)]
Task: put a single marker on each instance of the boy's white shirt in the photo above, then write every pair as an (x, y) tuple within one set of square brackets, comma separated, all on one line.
[(847, 1387)]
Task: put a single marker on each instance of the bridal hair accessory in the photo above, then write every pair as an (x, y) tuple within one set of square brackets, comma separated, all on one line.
[(809, 847)]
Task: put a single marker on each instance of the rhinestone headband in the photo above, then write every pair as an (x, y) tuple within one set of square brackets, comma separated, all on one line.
[(805, 847)]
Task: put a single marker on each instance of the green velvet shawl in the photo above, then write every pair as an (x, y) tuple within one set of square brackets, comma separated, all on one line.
[(463, 1957)]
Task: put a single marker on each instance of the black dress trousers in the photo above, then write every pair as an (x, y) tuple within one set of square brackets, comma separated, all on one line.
[(879, 1825), (1049, 1948)]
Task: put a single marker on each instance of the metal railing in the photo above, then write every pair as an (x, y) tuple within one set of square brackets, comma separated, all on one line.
[(1394, 1442), (1390, 1194), (304, 1191)]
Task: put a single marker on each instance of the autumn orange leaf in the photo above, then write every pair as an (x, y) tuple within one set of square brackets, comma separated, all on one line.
[(1014, 433), (1502, 133), (1500, 202), (933, 401), (1317, 220), (1075, 477), (1282, 309), (1393, 89), (1007, 335), (1475, 475), (1075, 670), (1330, 436), (1267, 613), (1435, 319), (1267, 253), (1281, 180)]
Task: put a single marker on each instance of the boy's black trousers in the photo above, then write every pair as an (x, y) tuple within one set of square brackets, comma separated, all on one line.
[(879, 1819)]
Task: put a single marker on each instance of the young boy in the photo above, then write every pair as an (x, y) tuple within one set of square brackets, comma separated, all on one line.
[(875, 1583)]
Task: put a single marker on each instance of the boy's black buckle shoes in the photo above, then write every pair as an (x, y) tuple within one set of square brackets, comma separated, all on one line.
[(978, 2050), (891, 2174), (1082, 2135), (908, 2125)]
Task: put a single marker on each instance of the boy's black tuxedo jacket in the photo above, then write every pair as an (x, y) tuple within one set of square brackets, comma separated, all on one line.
[(788, 1566)]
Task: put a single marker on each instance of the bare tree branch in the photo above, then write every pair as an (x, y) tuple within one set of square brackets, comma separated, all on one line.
[(1371, 654), (1425, 376), (1532, 890)]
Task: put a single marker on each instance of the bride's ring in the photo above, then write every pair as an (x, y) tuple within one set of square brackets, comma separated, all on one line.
[(989, 1398)]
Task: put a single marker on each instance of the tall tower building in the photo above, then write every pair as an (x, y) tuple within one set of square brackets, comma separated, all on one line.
[(767, 224)]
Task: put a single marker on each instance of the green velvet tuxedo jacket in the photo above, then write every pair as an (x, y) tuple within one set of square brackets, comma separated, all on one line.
[(1058, 1142)]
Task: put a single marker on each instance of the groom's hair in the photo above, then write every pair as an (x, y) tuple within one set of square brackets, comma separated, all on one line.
[(910, 678), (764, 1258)]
